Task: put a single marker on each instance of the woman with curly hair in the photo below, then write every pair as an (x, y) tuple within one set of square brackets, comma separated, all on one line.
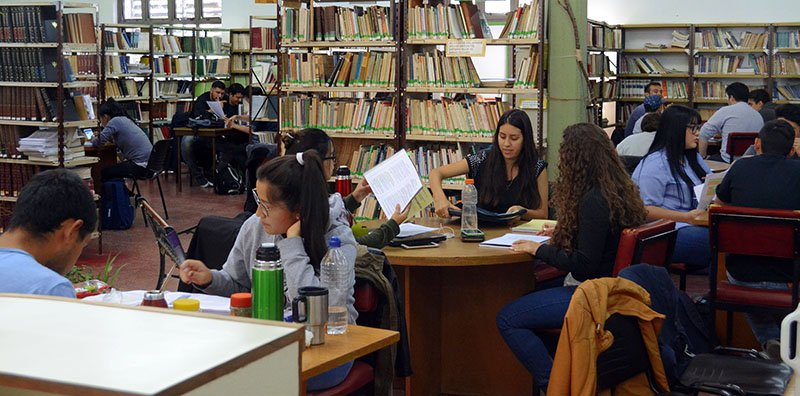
[(509, 176), (666, 177), (595, 200)]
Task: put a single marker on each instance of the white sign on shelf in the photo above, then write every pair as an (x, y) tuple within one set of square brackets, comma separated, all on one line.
[(531, 103), (474, 47)]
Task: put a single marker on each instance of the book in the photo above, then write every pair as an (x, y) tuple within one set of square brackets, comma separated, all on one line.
[(396, 182), (534, 225), (508, 239), (707, 192)]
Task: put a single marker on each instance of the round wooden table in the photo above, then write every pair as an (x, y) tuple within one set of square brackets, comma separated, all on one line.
[(452, 294)]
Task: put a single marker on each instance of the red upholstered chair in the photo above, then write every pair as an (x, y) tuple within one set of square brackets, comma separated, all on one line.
[(362, 373), (739, 142), (544, 273), (651, 243), (755, 232)]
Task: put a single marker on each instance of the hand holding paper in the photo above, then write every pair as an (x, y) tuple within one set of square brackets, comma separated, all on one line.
[(216, 107), (395, 182)]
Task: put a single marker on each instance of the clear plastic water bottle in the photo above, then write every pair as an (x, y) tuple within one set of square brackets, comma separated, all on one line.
[(335, 275), (469, 206)]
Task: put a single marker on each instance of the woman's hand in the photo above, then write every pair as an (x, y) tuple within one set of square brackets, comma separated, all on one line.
[(362, 190), (195, 272), (294, 230), (547, 230), (516, 208), (398, 216), (523, 246), (442, 207)]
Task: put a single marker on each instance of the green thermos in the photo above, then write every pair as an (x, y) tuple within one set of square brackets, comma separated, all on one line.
[(268, 283)]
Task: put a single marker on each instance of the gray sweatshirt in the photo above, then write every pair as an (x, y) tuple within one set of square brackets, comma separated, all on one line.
[(129, 138), (236, 274)]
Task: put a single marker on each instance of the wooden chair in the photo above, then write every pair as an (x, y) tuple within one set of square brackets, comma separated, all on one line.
[(739, 142), (652, 243), (754, 232)]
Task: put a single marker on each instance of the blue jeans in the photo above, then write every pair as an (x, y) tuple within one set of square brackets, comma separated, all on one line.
[(330, 378), (516, 321), (763, 324), (189, 146), (692, 247)]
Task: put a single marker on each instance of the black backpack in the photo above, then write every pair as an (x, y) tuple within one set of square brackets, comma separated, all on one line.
[(227, 180)]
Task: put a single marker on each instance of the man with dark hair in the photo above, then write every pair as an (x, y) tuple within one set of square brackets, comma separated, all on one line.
[(791, 114), (195, 147), (737, 116), (761, 102), (232, 99), (652, 88), (52, 222), (769, 180)]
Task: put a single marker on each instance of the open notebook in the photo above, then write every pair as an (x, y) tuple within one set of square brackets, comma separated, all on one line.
[(507, 240)]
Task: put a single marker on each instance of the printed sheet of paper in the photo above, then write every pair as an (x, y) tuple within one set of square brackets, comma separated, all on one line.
[(394, 181), (507, 240), (707, 191), (410, 229), (216, 107)]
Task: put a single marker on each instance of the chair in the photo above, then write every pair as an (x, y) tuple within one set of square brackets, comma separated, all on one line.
[(161, 230), (651, 243), (544, 274), (361, 374), (156, 165), (739, 142), (630, 162), (755, 232)]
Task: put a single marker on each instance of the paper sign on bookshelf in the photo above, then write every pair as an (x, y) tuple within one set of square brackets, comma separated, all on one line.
[(466, 47), (395, 182)]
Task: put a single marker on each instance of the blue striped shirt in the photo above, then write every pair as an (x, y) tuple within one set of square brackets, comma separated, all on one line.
[(658, 187)]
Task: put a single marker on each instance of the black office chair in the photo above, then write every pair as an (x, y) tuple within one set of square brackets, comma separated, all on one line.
[(156, 165), (630, 162)]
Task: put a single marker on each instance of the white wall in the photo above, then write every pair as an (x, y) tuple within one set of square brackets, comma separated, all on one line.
[(693, 11), (236, 13)]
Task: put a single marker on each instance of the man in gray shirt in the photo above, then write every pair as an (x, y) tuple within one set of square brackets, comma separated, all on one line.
[(128, 137), (737, 116)]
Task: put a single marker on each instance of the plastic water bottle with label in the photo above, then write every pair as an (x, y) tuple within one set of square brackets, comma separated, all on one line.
[(335, 276), (469, 206)]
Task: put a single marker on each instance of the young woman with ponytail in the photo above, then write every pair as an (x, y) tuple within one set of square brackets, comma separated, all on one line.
[(294, 212)]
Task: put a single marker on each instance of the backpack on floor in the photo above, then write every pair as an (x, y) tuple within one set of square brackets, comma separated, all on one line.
[(117, 212), (227, 180)]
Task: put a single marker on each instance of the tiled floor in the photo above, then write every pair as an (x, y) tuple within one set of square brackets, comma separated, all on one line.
[(136, 246)]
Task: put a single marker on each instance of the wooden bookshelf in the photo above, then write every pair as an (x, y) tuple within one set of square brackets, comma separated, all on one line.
[(336, 44), (730, 75), (450, 139), (337, 89)]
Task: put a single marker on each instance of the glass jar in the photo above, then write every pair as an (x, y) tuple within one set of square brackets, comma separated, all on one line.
[(242, 305), (186, 304), (154, 298)]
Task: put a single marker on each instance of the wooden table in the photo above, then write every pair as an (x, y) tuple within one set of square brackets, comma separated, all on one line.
[(68, 346), (212, 133), (717, 166), (107, 156), (452, 295)]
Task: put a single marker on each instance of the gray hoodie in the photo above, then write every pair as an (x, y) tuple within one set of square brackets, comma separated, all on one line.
[(236, 274)]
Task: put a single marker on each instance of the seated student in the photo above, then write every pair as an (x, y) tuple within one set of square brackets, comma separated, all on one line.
[(240, 122), (294, 213), (769, 180), (652, 104), (128, 137), (791, 114), (651, 89), (232, 99), (761, 101), (319, 141), (192, 146), (595, 200), (638, 144), (232, 147), (509, 176), (666, 177), (737, 116), (52, 222)]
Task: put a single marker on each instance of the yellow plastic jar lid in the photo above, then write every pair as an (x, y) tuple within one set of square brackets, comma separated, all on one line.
[(186, 304)]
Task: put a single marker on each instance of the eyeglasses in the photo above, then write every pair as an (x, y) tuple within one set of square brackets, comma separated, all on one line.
[(333, 158), (693, 127), (261, 204)]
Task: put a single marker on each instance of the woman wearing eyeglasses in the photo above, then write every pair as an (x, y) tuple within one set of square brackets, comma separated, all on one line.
[(319, 141), (296, 214), (666, 177)]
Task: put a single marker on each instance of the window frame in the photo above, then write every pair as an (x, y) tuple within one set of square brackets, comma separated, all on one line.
[(171, 19)]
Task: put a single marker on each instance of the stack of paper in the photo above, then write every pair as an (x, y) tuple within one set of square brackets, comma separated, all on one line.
[(534, 225), (507, 240), (42, 145)]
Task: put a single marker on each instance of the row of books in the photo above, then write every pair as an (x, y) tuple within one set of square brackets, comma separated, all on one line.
[(609, 89), (371, 69), (32, 64), (170, 43), (787, 39), (706, 113), (522, 22), (164, 110), (786, 65), (719, 39), (9, 140), (357, 24), (364, 116), (212, 66), (83, 64), (28, 24), (461, 20), (448, 118), (122, 88), (429, 157), (787, 92), (434, 69), (262, 38), (643, 64), (728, 64), (370, 209), (80, 28), (173, 88), (526, 74), (12, 178), (126, 40), (133, 109), (598, 65), (634, 88), (595, 37), (170, 66), (120, 65), (367, 156), (295, 24), (38, 104), (710, 89)]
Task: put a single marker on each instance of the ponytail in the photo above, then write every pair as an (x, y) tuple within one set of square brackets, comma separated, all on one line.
[(307, 139), (298, 181)]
